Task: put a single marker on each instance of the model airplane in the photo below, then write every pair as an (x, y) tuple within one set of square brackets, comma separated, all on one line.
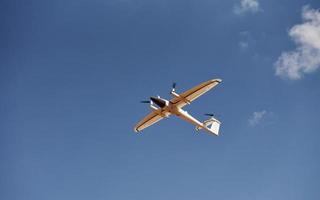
[(162, 108)]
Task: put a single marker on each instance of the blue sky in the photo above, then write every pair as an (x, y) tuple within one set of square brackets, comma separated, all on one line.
[(73, 72)]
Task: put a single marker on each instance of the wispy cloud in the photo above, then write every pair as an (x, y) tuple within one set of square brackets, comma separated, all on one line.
[(244, 40), (256, 117), (243, 44), (244, 6), (306, 57)]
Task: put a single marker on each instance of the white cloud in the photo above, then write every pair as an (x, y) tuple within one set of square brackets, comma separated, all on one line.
[(306, 57), (244, 40), (256, 117), (247, 6), (243, 44)]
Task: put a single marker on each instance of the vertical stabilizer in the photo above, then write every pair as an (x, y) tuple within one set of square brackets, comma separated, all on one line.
[(215, 126), (211, 125)]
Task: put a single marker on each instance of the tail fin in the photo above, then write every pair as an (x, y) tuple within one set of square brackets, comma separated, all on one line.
[(214, 128)]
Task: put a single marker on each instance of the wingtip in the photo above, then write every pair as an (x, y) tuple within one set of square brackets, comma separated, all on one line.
[(136, 130), (217, 80)]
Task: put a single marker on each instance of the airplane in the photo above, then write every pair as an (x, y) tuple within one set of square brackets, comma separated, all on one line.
[(162, 108)]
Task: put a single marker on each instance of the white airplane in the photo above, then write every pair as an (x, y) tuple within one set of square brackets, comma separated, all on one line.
[(165, 108)]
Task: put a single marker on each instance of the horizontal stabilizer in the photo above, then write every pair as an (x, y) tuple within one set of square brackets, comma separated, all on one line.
[(211, 125)]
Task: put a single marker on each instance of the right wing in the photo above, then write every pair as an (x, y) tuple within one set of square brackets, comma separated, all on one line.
[(194, 93), (147, 121)]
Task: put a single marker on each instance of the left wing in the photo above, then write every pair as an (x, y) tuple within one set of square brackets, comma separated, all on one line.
[(192, 94), (147, 121)]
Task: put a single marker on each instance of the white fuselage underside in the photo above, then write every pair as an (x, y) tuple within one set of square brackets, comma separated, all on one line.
[(175, 110)]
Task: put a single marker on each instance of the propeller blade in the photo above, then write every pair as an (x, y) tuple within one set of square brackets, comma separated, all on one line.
[(173, 89), (145, 101), (213, 115)]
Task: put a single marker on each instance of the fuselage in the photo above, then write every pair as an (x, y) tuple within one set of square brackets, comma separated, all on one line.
[(165, 108)]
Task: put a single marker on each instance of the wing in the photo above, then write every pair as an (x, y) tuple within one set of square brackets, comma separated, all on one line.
[(194, 93), (147, 121)]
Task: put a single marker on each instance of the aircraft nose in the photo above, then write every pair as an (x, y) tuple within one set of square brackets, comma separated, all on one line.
[(153, 99), (161, 103)]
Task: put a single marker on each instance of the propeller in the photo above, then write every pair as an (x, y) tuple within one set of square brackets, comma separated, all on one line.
[(211, 115), (145, 101), (173, 86)]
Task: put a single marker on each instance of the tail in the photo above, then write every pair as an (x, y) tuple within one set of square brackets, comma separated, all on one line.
[(211, 125)]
